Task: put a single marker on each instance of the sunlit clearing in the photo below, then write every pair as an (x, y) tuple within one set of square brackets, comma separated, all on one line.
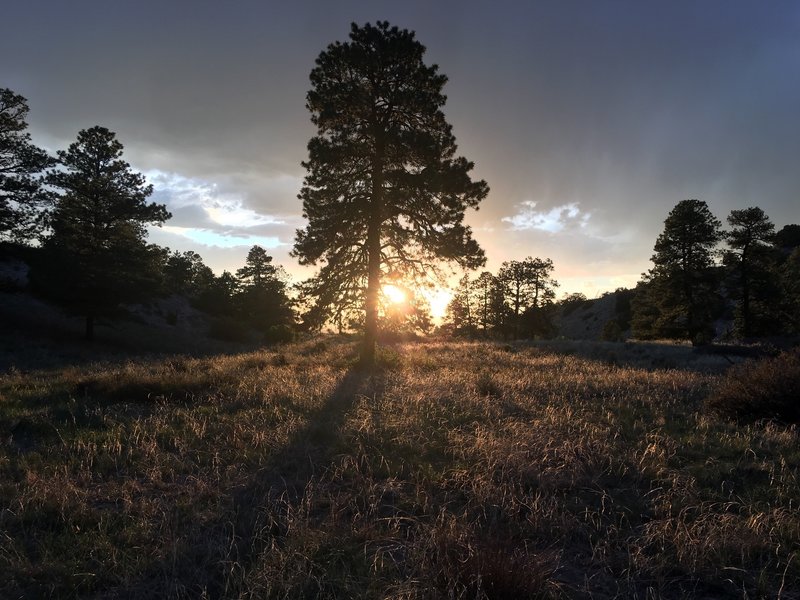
[(438, 299), (394, 294)]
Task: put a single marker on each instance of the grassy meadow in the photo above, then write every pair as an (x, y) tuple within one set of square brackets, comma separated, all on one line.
[(456, 470)]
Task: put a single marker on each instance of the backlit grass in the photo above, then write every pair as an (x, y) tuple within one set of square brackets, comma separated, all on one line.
[(457, 470)]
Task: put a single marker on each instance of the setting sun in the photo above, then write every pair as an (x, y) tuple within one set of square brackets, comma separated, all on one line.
[(394, 294)]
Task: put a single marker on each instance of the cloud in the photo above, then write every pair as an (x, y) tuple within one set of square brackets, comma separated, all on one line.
[(206, 214), (225, 209), (555, 220), (208, 237)]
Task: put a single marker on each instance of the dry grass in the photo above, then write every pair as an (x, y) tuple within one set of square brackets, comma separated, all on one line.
[(457, 470)]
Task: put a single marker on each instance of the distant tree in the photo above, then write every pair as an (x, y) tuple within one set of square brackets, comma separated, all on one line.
[(527, 284), (573, 298), (648, 321), (788, 238), (461, 310), (612, 332), (622, 307), (218, 296), (678, 296), (186, 273), (572, 302), (513, 276), (96, 257), (752, 258), (537, 322), (499, 312), (21, 195), (419, 314), (787, 242), (385, 191), (482, 288), (789, 281), (262, 291), (258, 268)]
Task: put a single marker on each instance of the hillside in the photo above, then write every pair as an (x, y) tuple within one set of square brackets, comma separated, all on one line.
[(455, 470), (35, 333), (586, 320)]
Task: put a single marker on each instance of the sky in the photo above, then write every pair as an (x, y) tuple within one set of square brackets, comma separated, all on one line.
[(589, 120)]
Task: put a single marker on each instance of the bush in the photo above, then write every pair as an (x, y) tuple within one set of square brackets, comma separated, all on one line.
[(612, 332), (228, 329), (767, 389), (277, 334)]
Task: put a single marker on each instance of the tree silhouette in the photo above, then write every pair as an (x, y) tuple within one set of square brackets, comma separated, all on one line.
[(483, 287), (217, 296), (186, 273), (788, 238), (262, 297), (787, 243), (21, 193), (385, 192), (96, 257), (258, 269), (752, 259), (528, 284), (461, 310), (789, 281), (678, 296)]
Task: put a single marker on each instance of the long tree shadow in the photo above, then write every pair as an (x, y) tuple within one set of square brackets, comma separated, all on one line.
[(308, 453), (214, 560)]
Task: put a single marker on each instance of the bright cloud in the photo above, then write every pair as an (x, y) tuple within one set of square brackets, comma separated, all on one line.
[(224, 209), (554, 220), (208, 237)]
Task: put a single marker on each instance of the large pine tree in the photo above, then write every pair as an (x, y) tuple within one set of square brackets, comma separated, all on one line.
[(385, 192), (262, 297), (754, 283), (96, 256), (678, 297), (21, 194)]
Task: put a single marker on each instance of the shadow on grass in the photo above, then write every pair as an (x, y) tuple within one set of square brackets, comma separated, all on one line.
[(214, 558)]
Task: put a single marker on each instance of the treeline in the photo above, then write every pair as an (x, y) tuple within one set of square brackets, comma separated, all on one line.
[(706, 284), (696, 287), (517, 302), (82, 217)]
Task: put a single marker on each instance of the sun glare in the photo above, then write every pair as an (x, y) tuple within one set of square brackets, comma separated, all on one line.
[(438, 299), (394, 294)]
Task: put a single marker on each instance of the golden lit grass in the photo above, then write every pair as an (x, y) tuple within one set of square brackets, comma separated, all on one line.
[(456, 470)]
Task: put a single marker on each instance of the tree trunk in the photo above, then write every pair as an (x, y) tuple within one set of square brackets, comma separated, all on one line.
[(746, 324), (89, 335), (373, 261), (373, 288)]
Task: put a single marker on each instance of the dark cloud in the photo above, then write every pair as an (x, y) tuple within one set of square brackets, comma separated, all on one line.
[(621, 108)]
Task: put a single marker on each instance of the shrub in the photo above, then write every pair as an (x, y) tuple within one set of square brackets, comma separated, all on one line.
[(612, 332), (767, 389), (228, 329), (277, 334)]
